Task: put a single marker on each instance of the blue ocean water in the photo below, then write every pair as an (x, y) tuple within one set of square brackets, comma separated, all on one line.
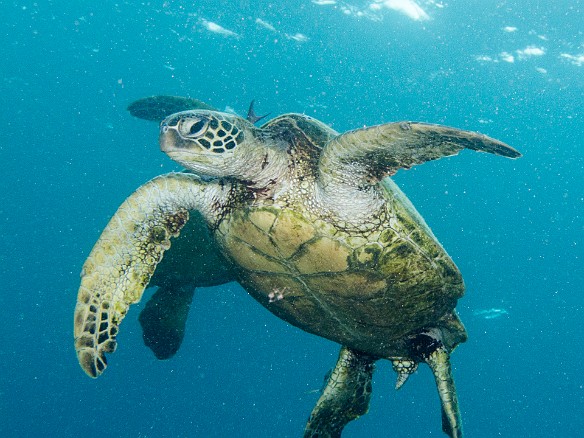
[(70, 154)]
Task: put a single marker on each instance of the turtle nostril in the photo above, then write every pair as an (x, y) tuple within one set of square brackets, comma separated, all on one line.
[(163, 127)]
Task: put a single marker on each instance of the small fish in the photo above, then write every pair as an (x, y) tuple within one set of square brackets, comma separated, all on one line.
[(215, 28), (265, 24), (324, 384), (300, 37), (490, 313), (254, 118)]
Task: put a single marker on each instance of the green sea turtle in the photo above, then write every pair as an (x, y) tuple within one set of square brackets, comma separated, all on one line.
[(308, 222)]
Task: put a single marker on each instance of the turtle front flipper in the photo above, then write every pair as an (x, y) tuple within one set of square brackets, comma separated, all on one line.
[(156, 108), (428, 347), (365, 156), (345, 397), (124, 258)]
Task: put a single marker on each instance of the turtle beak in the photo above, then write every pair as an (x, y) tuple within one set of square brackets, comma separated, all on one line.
[(186, 152), (180, 132), (168, 139)]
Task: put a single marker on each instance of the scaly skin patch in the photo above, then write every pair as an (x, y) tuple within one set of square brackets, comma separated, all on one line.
[(404, 369)]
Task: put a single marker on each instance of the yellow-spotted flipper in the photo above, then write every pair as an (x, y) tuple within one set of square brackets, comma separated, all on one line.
[(124, 258)]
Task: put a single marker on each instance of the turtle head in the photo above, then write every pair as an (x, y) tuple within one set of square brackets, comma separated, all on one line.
[(215, 144)]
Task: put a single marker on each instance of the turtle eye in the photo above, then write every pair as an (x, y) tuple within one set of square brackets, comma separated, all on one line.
[(192, 127)]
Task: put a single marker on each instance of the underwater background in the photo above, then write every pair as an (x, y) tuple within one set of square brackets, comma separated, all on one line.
[(70, 153)]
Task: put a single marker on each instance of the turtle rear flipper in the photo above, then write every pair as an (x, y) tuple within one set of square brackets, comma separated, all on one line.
[(164, 318), (124, 258), (156, 108), (429, 347), (345, 397), (194, 260)]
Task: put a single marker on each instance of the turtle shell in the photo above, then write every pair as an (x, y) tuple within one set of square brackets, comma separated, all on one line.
[(367, 288)]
